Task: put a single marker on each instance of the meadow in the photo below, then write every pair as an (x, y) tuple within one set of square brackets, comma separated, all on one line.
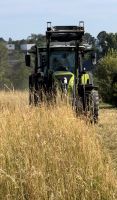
[(46, 153)]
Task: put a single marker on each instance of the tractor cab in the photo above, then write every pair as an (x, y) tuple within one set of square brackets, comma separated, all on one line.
[(62, 58)]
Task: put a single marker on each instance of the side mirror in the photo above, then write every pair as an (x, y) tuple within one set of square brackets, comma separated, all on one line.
[(27, 60), (94, 58)]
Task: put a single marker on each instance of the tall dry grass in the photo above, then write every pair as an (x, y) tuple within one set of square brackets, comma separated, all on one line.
[(47, 153), (107, 129)]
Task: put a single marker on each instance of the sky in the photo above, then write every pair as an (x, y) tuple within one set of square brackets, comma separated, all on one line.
[(20, 18)]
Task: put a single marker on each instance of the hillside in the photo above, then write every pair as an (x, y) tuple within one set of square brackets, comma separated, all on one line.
[(48, 153)]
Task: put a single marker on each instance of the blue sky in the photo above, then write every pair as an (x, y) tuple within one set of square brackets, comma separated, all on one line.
[(20, 18)]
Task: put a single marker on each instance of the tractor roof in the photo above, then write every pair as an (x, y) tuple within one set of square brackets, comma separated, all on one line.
[(65, 33), (85, 48)]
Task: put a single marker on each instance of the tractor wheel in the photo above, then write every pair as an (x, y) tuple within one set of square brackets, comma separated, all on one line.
[(38, 96), (79, 106), (31, 97), (35, 97), (92, 107), (31, 90), (35, 91)]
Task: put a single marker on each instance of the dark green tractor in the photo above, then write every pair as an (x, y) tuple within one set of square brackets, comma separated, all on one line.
[(59, 66)]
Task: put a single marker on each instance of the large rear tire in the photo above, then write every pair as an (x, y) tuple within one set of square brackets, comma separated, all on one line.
[(88, 106), (35, 91), (92, 107), (31, 90)]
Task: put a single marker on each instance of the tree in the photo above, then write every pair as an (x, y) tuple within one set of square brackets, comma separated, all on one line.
[(107, 41), (102, 39), (114, 90), (4, 66), (19, 73), (38, 39), (88, 38), (105, 73), (112, 41)]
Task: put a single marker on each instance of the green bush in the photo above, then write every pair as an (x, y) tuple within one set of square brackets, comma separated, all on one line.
[(105, 73), (114, 90)]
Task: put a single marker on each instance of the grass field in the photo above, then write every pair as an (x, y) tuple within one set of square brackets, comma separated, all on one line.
[(107, 129), (47, 153)]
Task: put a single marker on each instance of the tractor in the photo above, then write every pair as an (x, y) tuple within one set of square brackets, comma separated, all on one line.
[(59, 66)]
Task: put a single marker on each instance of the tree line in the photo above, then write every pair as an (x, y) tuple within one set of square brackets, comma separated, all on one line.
[(14, 74)]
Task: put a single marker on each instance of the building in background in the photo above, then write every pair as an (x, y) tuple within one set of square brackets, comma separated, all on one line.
[(26, 47), (10, 47)]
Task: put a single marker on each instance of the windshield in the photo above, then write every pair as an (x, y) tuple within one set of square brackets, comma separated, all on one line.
[(62, 61)]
